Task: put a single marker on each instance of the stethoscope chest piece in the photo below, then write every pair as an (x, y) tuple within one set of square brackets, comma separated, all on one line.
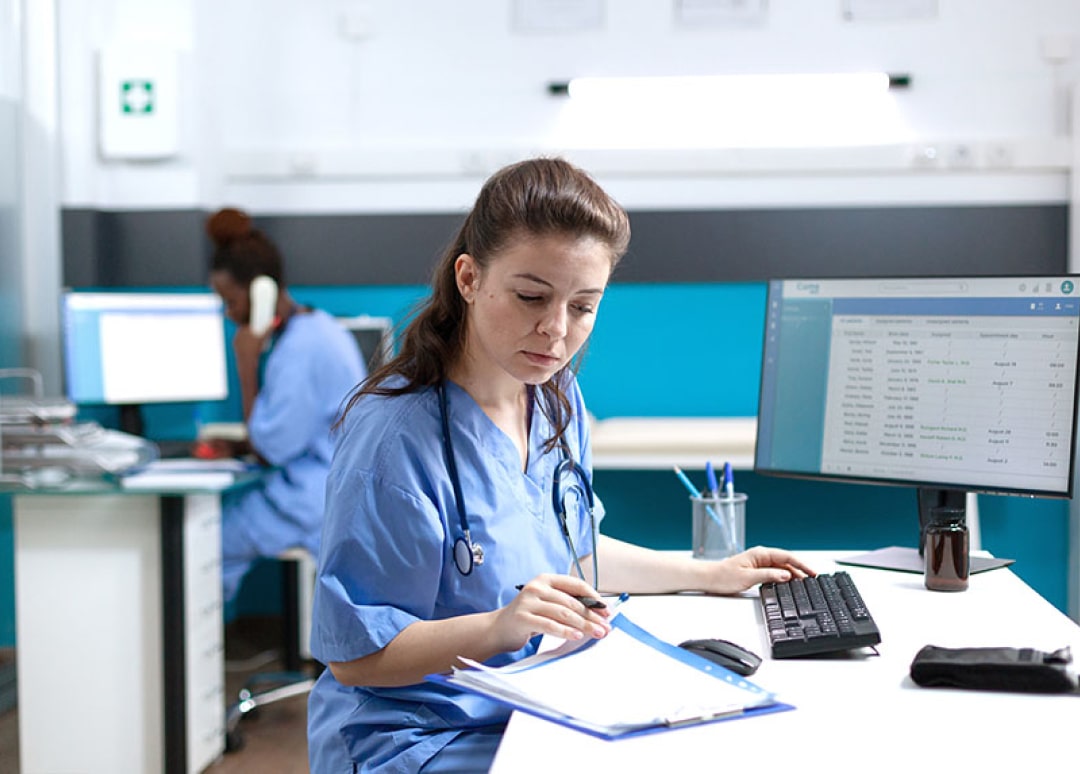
[(467, 554)]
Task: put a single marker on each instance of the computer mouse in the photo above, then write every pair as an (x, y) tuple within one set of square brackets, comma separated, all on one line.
[(727, 654)]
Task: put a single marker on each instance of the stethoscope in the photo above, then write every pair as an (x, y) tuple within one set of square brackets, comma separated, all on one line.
[(469, 554)]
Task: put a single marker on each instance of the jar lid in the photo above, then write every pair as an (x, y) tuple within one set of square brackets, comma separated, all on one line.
[(946, 515)]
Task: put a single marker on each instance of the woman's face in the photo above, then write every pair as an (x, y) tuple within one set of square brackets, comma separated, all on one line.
[(233, 295), (533, 307)]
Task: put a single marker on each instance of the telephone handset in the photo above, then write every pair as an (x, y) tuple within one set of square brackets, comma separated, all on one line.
[(264, 293)]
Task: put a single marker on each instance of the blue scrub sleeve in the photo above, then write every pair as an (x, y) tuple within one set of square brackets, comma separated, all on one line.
[(381, 566)]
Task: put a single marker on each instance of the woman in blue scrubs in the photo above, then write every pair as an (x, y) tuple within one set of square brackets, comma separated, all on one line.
[(442, 536), (293, 382)]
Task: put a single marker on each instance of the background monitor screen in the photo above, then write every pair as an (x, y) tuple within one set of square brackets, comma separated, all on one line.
[(374, 336), (130, 348), (965, 384)]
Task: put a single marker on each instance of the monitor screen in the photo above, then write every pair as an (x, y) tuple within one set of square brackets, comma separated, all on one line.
[(965, 384), (374, 336), (131, 348)]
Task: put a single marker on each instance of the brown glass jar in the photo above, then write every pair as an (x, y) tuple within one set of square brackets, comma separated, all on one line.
[(945, 551)]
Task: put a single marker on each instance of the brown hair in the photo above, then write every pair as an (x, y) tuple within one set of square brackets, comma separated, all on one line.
[(537, 197), (241, 249)]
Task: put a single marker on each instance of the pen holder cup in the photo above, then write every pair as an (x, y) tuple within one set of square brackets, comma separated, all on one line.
[(718, 526)]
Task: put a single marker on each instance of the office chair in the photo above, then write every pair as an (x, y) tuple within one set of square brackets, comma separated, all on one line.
[(263, 688)]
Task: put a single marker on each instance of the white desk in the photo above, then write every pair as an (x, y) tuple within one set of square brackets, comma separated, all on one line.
[(119, 630), (869, 703)]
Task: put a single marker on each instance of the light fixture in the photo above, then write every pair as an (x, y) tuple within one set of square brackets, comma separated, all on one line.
[(731, 111), (680, 88)]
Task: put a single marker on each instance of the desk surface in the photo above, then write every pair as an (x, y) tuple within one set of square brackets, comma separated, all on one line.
[(868, 702), (661, 442), (175, 476)]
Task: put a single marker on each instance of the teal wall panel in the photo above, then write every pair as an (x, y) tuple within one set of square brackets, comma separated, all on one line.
[(1036, 534), (652, 508), (676, 350), (657, 350), (683, 350)]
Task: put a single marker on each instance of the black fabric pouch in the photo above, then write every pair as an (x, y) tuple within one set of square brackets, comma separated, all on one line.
[(994, 669)]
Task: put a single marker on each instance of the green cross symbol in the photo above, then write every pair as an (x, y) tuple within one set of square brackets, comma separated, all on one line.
[(137, 97)]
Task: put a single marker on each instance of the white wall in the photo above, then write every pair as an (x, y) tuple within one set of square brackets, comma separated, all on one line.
[(86, 28), (347, 105), (40, 193)]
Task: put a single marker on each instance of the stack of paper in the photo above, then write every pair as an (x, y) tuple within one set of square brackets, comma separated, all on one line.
[(186, 474), (625, 683)]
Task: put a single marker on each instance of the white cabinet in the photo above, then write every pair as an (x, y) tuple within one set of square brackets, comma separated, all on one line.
[(204, 634), (119, 623)]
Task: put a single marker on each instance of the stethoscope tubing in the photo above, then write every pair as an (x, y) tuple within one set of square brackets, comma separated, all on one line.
[(468, 554)]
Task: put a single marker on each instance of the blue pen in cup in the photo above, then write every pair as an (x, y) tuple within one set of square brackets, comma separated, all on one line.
[(710, 478), (728, 524), (729, 504), (695, 493)]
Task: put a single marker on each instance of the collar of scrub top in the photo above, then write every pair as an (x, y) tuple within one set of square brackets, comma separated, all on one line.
[(468, 554)]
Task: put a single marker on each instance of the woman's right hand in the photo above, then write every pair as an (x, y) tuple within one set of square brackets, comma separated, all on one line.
[(214, 449), (549, 604)]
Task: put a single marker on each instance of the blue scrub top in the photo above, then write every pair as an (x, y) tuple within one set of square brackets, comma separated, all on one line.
[(308, 373), (387, 561)]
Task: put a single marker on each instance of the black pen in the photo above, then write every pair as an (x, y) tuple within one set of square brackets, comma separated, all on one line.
[(590, 602)]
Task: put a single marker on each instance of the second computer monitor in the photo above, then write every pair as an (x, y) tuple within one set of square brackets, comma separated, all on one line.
[(946, 384), (124, 348), (374, 336)]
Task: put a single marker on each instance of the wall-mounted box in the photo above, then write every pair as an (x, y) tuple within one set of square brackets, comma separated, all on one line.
[(138, 103)]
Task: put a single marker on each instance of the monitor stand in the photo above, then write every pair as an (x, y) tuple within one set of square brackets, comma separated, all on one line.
[(911, 559), (131, 419)]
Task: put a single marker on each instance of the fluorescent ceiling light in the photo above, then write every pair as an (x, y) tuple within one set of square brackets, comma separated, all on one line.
[(729, 111), (678, 88)]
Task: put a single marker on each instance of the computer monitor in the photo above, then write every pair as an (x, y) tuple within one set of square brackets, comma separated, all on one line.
[(374, 336), (949, 385), (127, 349)]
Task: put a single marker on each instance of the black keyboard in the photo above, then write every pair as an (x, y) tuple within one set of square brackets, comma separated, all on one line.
[(174, 449), (823, 614)]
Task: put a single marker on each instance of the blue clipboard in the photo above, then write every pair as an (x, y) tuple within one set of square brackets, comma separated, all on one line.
[(762, 701)]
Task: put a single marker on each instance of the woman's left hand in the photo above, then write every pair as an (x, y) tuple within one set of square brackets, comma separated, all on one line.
[(753, 566)]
